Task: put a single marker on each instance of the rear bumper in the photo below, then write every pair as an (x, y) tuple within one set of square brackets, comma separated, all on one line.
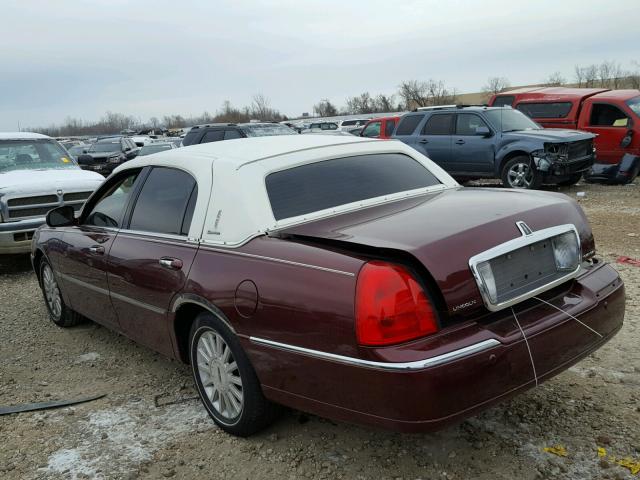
[(15, 237), (431, 396), (624, 172)]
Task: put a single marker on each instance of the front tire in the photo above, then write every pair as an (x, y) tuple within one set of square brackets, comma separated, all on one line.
[(519, 173), (59, 312), (225, 379)]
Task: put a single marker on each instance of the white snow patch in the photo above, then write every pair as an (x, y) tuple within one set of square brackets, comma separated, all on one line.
[(114, 441), (88, 357)]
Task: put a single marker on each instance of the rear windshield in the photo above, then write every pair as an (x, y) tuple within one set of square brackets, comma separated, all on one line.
[(33, 155), (267, 130), (328, 184)]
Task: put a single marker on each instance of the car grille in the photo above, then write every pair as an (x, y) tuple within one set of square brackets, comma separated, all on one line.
[(580, 149), (524, 269), (24, 201), (72, 197), (30, 212)]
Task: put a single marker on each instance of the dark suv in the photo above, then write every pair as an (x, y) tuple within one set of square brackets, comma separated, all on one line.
[(107, 153), (215, 132), (497, 142)]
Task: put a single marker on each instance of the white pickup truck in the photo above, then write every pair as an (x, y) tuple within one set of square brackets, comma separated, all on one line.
[(36, 175)]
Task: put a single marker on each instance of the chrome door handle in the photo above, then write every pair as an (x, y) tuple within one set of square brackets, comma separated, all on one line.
[(96, 249), (424, 140), (172, 263), (460, 142)]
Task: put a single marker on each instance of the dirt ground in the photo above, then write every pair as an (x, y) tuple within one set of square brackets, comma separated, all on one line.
[(125, 435)]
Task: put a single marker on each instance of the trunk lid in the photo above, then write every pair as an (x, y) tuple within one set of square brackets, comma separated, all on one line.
[(443, 230)]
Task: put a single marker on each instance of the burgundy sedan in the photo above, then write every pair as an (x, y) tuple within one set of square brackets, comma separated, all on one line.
[(347, 277)]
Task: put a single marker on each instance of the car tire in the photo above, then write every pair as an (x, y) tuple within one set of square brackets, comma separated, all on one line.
[(571, 180), (518, 173), (59, 312), (225, 379)]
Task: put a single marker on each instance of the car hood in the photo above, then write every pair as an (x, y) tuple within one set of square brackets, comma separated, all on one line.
[(549, 135), (443, 230), (50, 180), (102, 155)]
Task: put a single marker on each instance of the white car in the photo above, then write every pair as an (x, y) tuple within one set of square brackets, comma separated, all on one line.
[(351, 123), (36, 175)]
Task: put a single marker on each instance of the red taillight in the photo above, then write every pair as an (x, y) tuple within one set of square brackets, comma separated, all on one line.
[(391, 306)]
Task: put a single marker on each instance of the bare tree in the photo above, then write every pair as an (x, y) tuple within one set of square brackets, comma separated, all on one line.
[(416, 94), (325, 108), (496, 85), (555, 80), (384, 103)]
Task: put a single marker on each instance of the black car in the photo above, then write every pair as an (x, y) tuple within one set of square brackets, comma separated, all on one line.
[(228, 131), (107, 153)]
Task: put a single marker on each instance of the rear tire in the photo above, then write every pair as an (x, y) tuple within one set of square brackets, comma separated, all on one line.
[(571, 180), (59, 312), (225, 379), (519, 173)]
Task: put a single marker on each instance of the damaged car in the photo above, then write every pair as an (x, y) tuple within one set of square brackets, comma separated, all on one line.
[(347, 277), (497, 142)]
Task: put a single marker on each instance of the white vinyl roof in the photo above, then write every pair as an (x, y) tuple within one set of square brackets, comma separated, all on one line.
[(233, 205), (21, 136)]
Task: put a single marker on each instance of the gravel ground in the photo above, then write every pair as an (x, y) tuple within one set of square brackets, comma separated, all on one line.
[(126, 435)]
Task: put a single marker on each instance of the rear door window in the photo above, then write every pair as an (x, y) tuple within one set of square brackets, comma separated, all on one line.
[(192, 137), (546, 109), (231, 134), (162, 204), (408, 124), (438, 124), (321, 185)]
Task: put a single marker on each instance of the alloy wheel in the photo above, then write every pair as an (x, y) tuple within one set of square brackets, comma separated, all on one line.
[(219, 375), (520, 175), (51, 292)]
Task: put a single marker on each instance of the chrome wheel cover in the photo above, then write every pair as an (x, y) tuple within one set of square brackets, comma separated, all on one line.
[(520, 175), (219, 375), (51, 292)]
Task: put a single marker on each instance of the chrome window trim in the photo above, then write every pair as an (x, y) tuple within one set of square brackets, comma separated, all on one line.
[(519, 242), (400, 366)]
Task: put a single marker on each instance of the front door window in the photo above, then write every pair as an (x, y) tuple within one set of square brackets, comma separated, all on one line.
[(109, 209)]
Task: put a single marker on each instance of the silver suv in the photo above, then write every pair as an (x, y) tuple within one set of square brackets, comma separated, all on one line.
[(36, 175)]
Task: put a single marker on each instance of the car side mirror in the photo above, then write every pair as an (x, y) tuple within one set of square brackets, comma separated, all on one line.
[(85, 159), (64, 216), (483, 131), (626, 141)]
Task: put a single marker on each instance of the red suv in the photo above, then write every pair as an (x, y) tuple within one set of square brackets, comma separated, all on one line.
[(382, 127)]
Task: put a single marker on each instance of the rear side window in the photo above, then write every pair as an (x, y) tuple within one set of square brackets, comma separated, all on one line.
[(439, 124), (191, 137), (162, 204), (503, 101), (213, 136), (408, 124), (328, 184), (545, 110), (231, 134), (388, 127)]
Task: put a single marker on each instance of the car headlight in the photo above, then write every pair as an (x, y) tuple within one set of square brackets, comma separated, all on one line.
[(566, 250), (488, 280), (114, 159)]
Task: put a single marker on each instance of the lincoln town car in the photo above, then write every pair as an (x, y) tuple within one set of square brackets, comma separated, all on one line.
[(347, 277)]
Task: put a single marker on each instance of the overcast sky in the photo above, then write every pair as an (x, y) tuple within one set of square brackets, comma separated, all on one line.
[(151, 58)]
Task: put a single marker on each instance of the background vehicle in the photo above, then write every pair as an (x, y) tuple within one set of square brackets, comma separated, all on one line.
[(485, 142), (317, 127), (613, 115), (36, 175), (216, 132), (155, 148), (107, 153), (280, 279), (351, 123), (76, 150), (380, 127)]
